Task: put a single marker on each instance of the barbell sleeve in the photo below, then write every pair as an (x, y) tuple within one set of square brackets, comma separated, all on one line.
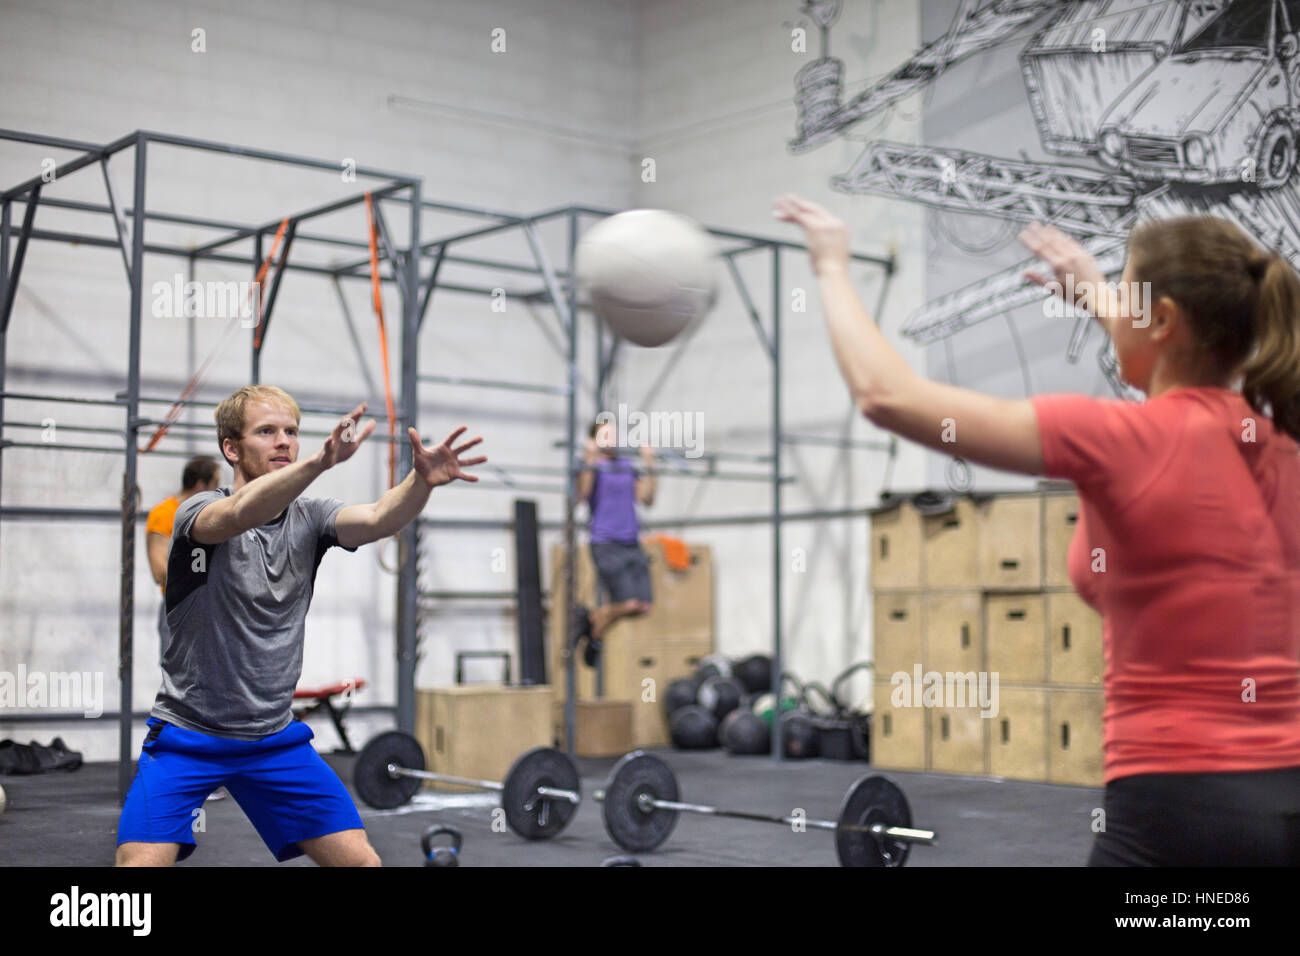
[(906, 834), (555, 794), (396, 771)]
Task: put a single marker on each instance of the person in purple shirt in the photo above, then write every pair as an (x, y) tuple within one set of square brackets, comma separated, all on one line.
[(611, 487)]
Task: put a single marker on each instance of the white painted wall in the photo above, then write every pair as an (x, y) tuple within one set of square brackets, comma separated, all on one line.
[(717, 110), (523, 129), (583, 92)]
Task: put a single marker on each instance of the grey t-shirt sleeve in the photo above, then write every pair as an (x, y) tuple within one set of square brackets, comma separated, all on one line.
[(189, 511), (325, 512)]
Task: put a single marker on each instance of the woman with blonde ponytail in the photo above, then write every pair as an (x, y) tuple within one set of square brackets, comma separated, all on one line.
[(1188, 539)]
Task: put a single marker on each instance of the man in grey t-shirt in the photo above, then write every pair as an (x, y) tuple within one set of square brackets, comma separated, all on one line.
[(240, 575)]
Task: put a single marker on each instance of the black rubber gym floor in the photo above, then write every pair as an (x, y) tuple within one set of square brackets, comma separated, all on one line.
[(70, 819)]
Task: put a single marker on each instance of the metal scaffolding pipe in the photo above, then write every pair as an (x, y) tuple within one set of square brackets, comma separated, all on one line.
[(126, 623), (408, 610), (48, 512), (6, 210), (77, 239), (763, 517), (890, 445), (44, 513), (201, 222), (33, 397), (63, 446), (71, 166), (58, 142), (15, 270), (558, 288), (488, 383), (272, 156), (570, 322), (778, 559), (756, 242), (322, 210), (202, 403), (83, 429), (461, 208)]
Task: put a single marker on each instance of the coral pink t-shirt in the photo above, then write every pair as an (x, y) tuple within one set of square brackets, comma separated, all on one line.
[(1188, 544)]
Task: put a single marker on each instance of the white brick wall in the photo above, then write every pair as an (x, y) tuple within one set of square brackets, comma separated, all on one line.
[(705, 89), (716, 112)]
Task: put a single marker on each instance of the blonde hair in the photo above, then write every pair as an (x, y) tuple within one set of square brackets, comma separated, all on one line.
[(1242, 302), (230, 413)]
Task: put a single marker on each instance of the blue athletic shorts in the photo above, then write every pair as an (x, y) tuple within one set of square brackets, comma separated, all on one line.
[(280, 782)]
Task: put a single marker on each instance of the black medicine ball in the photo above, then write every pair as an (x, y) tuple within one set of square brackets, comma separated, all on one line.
[(754, 673), (681, 693), (743, 732), (693, 728), (720, 695)]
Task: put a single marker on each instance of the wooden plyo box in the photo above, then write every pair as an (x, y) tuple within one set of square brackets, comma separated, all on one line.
[(479, 730), (683, 600), (896, 548), (603, 727), (898, 734), (640, 656)]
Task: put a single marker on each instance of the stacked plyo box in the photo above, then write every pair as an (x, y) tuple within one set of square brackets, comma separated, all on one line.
[(639, 656), (478, 731), (982, 590)]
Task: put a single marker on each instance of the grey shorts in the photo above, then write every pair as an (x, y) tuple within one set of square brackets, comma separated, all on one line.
[(624, 570)]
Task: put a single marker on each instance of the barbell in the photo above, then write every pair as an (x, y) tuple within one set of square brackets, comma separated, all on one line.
[(641, 801), (539, 795)]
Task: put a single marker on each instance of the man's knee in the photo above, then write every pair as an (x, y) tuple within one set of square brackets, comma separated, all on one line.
[(361, 856), (356, 857), (146, 854), (345, 848), (364, 854)]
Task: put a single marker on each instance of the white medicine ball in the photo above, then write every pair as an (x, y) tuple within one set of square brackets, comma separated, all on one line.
[(648, 273)]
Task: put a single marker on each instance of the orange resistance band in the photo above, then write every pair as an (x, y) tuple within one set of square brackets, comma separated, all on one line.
[(174, 413), (260, 281), (378, 297)]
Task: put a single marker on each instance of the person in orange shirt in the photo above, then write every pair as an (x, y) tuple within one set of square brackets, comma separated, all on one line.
[(201, 474), (1188, 540)]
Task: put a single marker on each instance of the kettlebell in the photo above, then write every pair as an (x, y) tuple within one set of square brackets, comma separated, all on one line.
[(441, 855)]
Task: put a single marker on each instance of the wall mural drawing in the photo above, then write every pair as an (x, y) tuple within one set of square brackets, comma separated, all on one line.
[(1157, 109)]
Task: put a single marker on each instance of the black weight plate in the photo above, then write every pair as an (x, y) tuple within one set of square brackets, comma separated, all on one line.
[(370, 774), (529, 814), (869, 801), (626, 822)]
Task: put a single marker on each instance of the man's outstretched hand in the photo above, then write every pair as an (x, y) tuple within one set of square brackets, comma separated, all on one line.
[(443, 463), (346, 437)]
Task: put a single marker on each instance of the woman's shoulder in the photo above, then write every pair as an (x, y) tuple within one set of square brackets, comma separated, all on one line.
[(614, 467)]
